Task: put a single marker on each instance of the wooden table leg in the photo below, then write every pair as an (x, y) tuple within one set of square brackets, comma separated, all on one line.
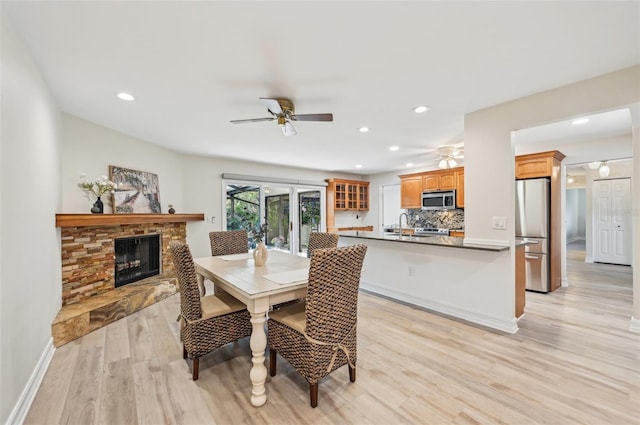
[(201, 284), (258, 343)]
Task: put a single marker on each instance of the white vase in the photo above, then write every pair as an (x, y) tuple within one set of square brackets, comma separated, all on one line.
[(260, 254)]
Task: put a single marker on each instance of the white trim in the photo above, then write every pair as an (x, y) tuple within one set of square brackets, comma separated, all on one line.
[(508, 326), (20, 410), (491, 242), (261, 179), (635, 325)]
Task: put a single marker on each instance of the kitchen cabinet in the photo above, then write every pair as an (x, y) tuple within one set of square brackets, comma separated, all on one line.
[(345, 195), (410, 192), (412, 186), (540, 164), (439, 180), (520, 280), (460, 188)]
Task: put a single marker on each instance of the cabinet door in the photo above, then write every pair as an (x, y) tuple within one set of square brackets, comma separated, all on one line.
[(460, 189), (352, 196), (363, 197), (341, 196), (411, 192), (430, 182), (539, 167), (447, 181)]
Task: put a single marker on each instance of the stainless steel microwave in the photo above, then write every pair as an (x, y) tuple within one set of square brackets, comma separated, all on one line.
[(439, 200)]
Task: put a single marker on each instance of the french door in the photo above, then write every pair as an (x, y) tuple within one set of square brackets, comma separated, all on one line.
[(291, 212)]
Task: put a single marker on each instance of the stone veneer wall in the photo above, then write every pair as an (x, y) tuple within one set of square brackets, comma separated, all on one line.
[(88, 257)]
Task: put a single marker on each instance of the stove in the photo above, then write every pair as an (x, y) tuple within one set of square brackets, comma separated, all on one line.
[(430, 231)]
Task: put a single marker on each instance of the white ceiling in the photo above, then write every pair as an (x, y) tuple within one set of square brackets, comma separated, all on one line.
[(194, 66)]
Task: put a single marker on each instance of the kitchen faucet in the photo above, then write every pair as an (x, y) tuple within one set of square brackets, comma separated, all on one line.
[(400, 224)]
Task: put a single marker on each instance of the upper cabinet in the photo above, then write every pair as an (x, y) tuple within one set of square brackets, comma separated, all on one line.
[(412, 186), (410, 192), (542, 164), (347, 195)]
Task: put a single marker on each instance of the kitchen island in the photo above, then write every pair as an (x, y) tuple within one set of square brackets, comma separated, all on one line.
[(440, 273)]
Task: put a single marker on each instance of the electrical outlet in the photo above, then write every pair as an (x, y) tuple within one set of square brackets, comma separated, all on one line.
[(499, 223)]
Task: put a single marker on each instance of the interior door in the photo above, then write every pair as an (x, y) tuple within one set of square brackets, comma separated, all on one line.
[(612, 216)]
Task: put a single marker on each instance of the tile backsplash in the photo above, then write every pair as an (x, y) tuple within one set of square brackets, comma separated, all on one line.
[(449, 219)]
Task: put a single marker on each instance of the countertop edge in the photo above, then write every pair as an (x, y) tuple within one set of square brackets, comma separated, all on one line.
[(442, 241)]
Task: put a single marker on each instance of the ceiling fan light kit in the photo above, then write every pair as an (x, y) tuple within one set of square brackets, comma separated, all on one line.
[(283, 110)]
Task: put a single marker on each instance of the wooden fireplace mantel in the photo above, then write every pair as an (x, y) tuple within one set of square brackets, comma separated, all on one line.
[(80, 220)]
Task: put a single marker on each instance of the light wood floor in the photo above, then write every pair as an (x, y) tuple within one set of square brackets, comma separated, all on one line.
[(573, 361)]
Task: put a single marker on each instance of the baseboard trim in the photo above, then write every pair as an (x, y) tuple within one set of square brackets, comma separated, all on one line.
[(508, 326), (635, 325), (20, 410)]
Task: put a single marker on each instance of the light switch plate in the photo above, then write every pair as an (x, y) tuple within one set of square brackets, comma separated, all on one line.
[(499, 222)]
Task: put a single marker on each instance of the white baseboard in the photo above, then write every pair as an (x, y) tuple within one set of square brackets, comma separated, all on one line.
[(508, 326), (20, 410), (635, 325)]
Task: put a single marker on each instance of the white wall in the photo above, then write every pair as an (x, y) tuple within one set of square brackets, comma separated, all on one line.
[(575, 215), (30, 275), (89, 149)]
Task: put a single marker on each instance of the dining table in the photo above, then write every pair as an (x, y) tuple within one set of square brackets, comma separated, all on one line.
[(283, 278)]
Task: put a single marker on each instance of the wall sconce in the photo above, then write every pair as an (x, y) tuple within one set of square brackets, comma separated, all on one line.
[(570, 179), (603, 171)]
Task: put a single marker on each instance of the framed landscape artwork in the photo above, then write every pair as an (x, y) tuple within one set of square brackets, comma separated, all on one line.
[(136, 191)]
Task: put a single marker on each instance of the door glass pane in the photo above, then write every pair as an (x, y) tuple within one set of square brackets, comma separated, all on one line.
[(243, 207), (309, 217), (277, 218)]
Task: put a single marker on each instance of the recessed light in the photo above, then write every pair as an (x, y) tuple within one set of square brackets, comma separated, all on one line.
[(358, 165), (409, 164), (580, 121), (393, 148), (364, 129), (420, 109), (126, 96)]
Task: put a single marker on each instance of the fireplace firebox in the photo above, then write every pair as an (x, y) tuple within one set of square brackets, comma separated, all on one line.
[(137, 257)]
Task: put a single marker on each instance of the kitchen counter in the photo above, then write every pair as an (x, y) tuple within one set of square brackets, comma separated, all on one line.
[(446, 241)]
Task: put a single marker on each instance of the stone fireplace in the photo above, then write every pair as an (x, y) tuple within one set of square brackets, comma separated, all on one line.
[(91, 298)]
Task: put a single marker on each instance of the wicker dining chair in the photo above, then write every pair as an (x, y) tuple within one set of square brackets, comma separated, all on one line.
[(206, 323), (319, 336), (226, 243), (320, 240)]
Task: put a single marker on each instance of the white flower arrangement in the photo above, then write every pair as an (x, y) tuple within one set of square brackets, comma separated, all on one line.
[(98, 187)]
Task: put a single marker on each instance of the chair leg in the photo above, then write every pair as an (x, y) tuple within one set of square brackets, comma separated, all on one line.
[(184, 352), (352, 373), (196, 367), (313, 393), (272, 362)]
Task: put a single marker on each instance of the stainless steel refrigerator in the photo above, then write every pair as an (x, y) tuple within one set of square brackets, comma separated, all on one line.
[(532, 225)]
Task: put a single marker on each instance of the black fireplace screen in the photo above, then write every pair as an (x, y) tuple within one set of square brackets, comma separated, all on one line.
[(137, 257)]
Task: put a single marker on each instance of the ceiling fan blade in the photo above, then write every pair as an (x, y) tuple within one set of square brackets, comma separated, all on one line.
[(288, 129), (272, 105), (252, 120), (312, 117)]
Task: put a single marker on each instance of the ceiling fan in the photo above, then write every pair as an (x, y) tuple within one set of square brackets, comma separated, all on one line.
[(283, 111), (448, 156)]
